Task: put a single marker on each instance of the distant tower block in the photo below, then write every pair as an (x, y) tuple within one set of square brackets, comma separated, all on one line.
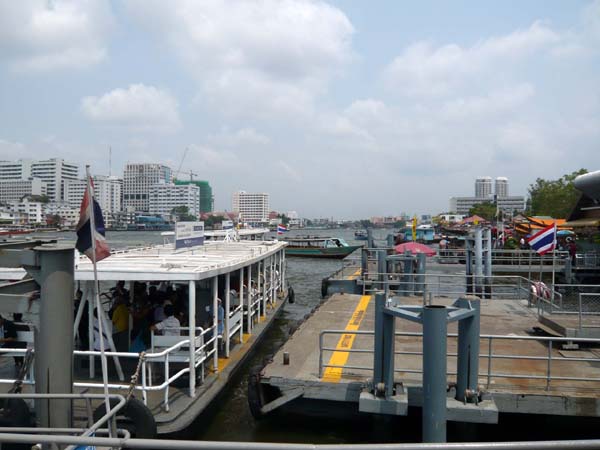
[(501, 187), (483, 187)]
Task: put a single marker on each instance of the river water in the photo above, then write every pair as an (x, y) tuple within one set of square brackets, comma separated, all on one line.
[(230, 420)]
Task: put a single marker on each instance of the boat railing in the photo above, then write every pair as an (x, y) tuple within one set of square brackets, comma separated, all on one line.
[(204, 349), (540, 367)]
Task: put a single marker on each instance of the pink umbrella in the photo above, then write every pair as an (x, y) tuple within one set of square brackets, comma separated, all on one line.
[(414, 248)]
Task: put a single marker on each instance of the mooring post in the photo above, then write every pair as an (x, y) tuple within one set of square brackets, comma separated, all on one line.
[(488, 263), (390, 241), (434, 373), (389, 347), (421, 262), (469, 265), (370, 242), (382, 269), (468, 350), (364, 263), (54, 342), (478, 260), (378, 347)]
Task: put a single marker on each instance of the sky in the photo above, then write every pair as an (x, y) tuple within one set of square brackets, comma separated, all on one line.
[(344, 109)]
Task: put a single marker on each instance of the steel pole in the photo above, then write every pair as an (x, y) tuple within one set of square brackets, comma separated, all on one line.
[(382, 270), (478, 260), (54, 343), (378, 350), (192, 335), (421, 262), (434, 373), (468, 349)]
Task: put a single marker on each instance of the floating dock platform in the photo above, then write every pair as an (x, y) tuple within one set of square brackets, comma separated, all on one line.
[(330, 358)]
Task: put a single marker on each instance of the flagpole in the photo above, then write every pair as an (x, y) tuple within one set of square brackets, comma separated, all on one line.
[(97, 291), (553, 261)]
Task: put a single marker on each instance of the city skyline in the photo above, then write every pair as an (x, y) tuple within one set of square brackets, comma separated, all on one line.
[(341, 102)]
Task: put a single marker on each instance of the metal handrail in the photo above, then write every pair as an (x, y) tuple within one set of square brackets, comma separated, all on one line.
[(490, 355)]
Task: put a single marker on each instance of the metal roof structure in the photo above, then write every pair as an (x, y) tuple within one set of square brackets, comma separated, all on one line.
[(164, 263)]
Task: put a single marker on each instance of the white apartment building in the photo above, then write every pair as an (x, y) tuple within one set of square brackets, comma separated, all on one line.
[(462, 205), (501, 187), (69, 214), (165, 197), (15, 190), (54, 171), (33, 212), (483, 187), (251, 207), (137, 181), (107, 191)]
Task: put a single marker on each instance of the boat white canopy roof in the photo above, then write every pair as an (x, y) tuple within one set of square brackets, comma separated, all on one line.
[(164, 263)]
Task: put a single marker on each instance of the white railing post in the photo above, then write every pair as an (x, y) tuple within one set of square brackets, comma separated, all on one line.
[(258, 289), (192, 335), (272, 287), (264, 287), (249, 300), (215, 309), (241, 298), (227, 308)]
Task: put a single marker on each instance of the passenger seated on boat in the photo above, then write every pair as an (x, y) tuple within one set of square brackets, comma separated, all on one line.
[(120, 321), (105, 333), (170, 326), (8, 338)]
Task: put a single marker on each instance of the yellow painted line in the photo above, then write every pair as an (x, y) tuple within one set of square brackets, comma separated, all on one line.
[(245, 337), (222, 363), (340, 357), (355, 275)]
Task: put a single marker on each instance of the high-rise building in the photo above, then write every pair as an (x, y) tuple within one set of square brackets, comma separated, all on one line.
[(165, 197), (54, 171), (137, 181), (251, 207), (483, 187), (501, 187), (206, 196), (13, 190), (107, 192)]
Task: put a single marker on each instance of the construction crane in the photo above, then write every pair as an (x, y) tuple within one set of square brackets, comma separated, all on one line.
[(178, 171)]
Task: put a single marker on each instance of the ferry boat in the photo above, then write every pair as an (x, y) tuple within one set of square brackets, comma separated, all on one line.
[(181, 372), (319, 247), (361, 235)]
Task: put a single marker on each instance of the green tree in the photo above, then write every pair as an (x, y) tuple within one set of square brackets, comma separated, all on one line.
[(53, 220), (212, 220), (284, 219), (554, 198), (366, 223), (181, 214), (487, 210)]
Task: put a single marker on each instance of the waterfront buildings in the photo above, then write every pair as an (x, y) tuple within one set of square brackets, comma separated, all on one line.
[(55, 172), (483, 187), (15, 190), (252, 208), (164, 197), (137, 182), (483, 194), (29, 212), (107, 190), (67, 214), (207, 200)]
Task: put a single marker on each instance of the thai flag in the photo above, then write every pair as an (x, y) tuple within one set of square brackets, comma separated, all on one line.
[(84, 237), (543, 241), (281, 229)]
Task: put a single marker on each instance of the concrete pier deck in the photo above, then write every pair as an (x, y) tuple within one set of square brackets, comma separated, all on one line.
[(519, 378)]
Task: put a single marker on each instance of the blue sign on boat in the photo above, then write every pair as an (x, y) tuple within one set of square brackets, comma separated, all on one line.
[(189, 234)]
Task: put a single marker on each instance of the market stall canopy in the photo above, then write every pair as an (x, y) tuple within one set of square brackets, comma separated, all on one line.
[(414, 248)]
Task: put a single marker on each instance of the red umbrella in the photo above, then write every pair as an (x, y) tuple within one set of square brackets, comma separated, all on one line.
[(414, 248)]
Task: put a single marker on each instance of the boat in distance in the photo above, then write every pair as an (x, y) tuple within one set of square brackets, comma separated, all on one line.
[(361, 235), (319, 247)]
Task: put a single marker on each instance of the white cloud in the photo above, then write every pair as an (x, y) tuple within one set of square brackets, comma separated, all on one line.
[(41, 35), (270, 57), (139, 107), (424, 70), (243, 137)]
